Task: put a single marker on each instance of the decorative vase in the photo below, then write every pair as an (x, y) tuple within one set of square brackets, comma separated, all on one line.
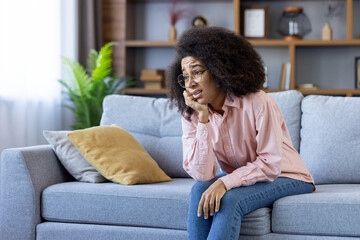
[(293, 24), (172, 33), (327, 32)]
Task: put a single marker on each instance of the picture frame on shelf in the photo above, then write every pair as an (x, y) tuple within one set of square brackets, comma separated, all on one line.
[(357, 72), (255, 21)]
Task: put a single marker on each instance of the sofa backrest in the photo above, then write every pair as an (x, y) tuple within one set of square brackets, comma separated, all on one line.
[(158, 128), (289, 103), (153, 124), (330, 138)]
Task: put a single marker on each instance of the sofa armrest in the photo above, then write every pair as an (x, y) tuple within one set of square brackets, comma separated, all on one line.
[(24, 174)]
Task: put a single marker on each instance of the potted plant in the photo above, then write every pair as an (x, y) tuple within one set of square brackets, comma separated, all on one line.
[(88, 88), (331, 11)]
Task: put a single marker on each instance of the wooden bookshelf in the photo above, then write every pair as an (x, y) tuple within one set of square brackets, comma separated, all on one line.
[(135, 43), (119, 17)]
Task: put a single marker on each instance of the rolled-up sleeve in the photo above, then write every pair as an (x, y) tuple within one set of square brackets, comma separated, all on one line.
[(198, 154)]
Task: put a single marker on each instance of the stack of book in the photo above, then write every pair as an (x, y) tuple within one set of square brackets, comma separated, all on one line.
[(153, 78)]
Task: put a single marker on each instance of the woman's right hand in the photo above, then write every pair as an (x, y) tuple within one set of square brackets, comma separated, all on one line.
[(201, 109)]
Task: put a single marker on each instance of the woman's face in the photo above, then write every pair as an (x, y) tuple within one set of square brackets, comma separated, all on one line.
[(204, 91)]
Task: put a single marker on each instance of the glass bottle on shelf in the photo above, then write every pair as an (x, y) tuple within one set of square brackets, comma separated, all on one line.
[(293, 24)]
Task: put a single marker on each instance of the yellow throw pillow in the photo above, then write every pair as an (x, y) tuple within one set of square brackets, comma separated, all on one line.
[(117, 155)]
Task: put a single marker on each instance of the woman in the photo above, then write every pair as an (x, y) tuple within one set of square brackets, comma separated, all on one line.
[(215, 80)]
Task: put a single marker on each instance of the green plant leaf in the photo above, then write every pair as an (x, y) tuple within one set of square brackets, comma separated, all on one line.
[(69, 107), (97, 96), (128, 82), (91, 60), (82, 82), (103, 62), (111, 84), (87, 93)]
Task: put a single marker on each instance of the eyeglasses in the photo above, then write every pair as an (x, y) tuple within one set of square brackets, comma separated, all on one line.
[(184, 79)]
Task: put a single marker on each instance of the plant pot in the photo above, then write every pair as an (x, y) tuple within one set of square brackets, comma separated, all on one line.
[(327, 32), (172, 33)]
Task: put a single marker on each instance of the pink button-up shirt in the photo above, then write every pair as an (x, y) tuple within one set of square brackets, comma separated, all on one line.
[(250, 141)]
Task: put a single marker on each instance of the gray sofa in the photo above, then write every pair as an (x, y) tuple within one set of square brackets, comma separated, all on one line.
[(40, 200)]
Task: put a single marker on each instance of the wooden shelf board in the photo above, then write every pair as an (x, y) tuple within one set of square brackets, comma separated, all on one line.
[(340, 42), (167, 1), (141, 43), (274, 42), (270, 42), (143, 91), (347, 92)]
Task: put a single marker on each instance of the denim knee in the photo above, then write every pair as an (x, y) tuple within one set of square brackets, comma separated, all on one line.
[(234, 203), (199, 187)]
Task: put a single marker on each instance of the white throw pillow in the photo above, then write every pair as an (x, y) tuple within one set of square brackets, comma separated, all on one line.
[(71, 158)]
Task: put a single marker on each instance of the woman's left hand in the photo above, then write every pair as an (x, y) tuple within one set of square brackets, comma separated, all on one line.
[(210, 199)]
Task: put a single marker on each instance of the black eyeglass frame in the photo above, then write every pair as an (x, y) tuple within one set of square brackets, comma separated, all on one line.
[(198, 79)]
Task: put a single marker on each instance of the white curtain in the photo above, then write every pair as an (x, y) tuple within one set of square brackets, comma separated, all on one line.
[(30, 67)]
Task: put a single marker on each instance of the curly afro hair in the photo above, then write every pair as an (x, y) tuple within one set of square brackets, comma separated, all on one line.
[(230, 59)]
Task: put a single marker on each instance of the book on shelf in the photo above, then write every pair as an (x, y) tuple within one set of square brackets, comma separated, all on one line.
[(153, 75), (152, 78), (154, 85), (152, 72), (285, 76), (282, 77)]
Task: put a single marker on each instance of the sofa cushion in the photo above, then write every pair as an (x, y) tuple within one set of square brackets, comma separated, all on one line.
[(117, 155), (330, 138), (157, 128), (289, 103), (331, 210), (71, 158), (161, 205), (153, 205), (75, 231)]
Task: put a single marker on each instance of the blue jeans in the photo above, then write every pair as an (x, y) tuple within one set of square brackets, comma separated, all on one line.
[(237, 202)]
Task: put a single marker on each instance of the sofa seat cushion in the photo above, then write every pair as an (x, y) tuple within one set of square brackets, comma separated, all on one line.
[(160, 205), (331, 210), (154, 205), (75, 231)]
